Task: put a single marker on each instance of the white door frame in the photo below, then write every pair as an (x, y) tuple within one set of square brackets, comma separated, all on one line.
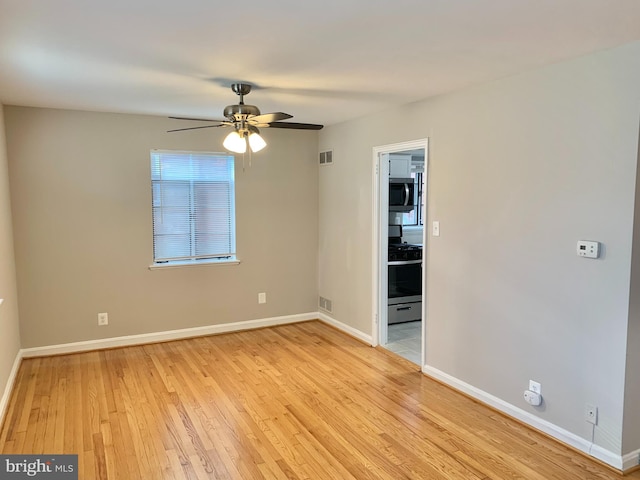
[(380, 242)]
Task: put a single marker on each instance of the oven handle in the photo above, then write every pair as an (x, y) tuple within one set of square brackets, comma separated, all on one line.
[(404, 262)]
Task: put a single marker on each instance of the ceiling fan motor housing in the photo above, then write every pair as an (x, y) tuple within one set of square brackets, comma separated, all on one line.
[(240, 112)]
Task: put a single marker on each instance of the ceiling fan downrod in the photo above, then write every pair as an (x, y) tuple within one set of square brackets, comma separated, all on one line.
[(241, 112), (241, 89)]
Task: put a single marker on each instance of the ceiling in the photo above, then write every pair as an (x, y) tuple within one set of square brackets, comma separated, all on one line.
[(323, 62)]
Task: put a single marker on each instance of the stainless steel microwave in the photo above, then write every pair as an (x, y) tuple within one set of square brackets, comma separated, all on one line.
[(401, 194)]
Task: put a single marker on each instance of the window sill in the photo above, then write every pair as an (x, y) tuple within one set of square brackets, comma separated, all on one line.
[(201, 263)]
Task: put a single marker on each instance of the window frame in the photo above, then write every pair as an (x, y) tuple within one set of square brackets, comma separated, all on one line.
[(193, 182)]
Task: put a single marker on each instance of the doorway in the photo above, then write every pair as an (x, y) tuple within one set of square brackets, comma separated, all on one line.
[(400, 192)]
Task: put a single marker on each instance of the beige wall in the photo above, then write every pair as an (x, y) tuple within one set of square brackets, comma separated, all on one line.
[(80, 190), (631, 431), (519, 170), (9, 327)]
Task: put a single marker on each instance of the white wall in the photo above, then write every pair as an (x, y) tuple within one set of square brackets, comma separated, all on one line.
[(519, 170), (9, 327), (81, 195)]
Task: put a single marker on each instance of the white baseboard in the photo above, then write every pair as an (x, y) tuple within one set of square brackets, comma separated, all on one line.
[(164, 336), (619, 462), (630, 460), (345, 328), (564, 436), (8, 388)]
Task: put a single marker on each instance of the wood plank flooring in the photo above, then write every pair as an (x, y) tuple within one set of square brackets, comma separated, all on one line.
[(296, 401)]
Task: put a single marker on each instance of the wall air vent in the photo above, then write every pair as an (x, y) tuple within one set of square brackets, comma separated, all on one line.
[(326, 158), (325, 304)]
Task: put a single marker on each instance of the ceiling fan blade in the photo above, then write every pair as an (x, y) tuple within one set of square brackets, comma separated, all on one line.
[(298, 126), (269, 117), (195, 128), (197, 119)]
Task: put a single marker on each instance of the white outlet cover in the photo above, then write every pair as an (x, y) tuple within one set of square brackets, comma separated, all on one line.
[(535, 387), (591, 414)]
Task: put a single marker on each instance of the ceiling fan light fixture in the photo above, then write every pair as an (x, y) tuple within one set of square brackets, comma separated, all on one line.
[(245, 120), (256, 142), (235, 143)]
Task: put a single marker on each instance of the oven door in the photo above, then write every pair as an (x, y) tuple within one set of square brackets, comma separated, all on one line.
[(405, 281), (401, 194)]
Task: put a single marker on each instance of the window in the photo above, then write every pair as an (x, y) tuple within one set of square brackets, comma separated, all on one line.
[(193, 207)]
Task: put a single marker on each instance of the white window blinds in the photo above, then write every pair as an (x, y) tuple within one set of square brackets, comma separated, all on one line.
[(193, 206)]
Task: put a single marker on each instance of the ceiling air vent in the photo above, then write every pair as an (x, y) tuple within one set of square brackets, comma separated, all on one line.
[(326, 158)]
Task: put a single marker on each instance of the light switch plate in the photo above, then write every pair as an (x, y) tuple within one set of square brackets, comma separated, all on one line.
[(435, 228)]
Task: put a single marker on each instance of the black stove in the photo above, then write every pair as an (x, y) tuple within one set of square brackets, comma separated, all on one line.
[(404, 251)]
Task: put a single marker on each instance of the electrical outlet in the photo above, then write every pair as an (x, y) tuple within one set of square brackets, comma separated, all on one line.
[(591, 414), (262, 297), (103, 319), (535, 387)]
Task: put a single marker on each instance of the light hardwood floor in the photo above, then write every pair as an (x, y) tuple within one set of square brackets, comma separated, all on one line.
[(295, 401)]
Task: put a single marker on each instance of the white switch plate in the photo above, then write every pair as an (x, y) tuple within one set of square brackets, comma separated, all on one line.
[(588, 249), (535, 387), (435, 228)]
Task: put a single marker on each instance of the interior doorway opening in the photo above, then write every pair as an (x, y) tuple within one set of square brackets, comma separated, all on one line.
[(400, 188)]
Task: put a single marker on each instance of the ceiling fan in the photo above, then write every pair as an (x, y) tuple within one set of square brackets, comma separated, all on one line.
[(245, 120)]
